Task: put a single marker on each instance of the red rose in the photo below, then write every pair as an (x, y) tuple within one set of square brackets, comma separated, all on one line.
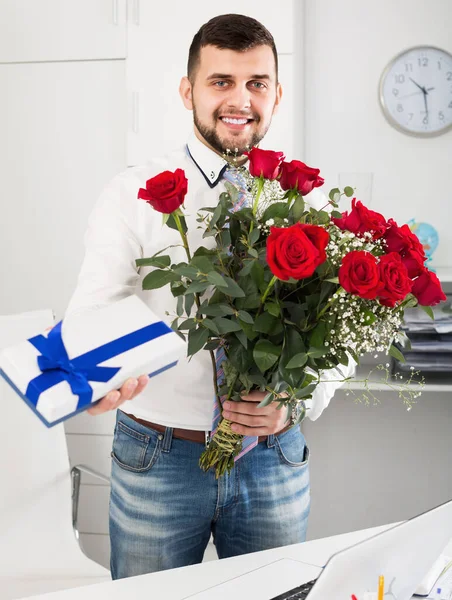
[(414, 262), (362, 220), (406, 243), (295, 175), (165, 192), (394, 278), (358, 274), (265, 163), (296, 251), (427, 289)]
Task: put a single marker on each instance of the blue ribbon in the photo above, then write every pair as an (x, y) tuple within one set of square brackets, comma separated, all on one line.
[(56, 367)]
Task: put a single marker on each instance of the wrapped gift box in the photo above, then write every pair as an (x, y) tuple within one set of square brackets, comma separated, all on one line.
[(66, 370)]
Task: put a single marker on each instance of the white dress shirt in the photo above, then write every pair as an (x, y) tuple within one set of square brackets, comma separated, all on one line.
[(121, 229)]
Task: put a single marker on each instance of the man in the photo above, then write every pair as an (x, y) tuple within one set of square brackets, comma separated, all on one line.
[(163, 508)]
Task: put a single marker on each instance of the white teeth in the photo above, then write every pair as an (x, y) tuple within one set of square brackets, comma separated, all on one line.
[(235, 121)]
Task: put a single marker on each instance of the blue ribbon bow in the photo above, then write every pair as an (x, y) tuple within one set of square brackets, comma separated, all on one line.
[(56, 367)]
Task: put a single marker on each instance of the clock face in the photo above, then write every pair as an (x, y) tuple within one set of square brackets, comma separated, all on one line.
[(416, 91)]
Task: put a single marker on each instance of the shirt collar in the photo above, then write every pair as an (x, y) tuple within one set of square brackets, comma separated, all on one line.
[(211, 165)]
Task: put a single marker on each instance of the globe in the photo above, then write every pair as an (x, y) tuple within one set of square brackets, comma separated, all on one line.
[(428, 236)]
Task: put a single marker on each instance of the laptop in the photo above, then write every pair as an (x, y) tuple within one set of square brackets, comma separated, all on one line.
[(403, 554)]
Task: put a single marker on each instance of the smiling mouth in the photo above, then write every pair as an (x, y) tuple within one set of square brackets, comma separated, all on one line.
[(236, 121)]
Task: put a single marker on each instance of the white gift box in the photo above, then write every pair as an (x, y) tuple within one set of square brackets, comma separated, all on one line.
[(66, 370)]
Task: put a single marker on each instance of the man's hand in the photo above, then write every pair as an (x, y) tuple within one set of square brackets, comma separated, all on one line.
[(131, 388), (248, 419)]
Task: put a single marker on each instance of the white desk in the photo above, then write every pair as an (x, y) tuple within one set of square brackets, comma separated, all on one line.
[(176, 584)]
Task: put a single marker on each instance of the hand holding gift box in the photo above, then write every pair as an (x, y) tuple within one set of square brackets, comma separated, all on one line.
[(87, 356)]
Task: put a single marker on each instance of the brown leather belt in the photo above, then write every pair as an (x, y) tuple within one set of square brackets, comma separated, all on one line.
[(190, 435)]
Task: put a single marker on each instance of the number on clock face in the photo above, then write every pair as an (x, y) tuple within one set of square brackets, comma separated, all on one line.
[(416, 91)]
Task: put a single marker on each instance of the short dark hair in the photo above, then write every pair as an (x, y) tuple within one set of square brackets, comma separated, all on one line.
[(231, 32)]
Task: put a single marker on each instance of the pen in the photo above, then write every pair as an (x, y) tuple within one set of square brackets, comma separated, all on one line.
[(354, 597), (381, 587)]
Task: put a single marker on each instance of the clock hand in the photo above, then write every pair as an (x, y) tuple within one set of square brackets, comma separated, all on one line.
[(419, 86), (415, 93)]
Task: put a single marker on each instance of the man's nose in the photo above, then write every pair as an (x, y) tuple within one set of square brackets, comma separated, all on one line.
[(239, 97)]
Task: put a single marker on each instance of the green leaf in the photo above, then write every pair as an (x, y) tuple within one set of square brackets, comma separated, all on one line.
[(187, 324), (216, 310), (318, 335), (226, 325), (267, 400), (314, 352), (276, 210), (298, 208), (216, 279), (333, 280), (186, 271), (293, 344), (233, 289), (336, 214), (211, 325), (247, 268), (349, 191), (180, 306), (248, 330), (306, 391), (196, 339), (265, 354), (273, 308), (428, 311), (333, 193), (298, 361), (177, 288), (253, 237), (212, 345), (395, 352), (155, 261), (245, 316), (241, 336), (252, 252), (197, 286), (239, 357), (172, 223), (202, 264), (265, 322), (323, 217), (157, 279), (189, 301)]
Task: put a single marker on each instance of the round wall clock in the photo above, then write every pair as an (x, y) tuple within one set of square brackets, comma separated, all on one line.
[(416, 91)]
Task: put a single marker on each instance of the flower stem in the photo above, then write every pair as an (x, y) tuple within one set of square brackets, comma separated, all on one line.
[(332, 300), (260, 187), (182, 234), (269, 287)]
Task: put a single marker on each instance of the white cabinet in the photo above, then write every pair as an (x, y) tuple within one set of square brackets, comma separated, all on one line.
[(157, 59), (48, 30), (62, 138)]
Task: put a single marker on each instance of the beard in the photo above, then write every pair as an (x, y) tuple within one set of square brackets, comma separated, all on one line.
[(222, 145)]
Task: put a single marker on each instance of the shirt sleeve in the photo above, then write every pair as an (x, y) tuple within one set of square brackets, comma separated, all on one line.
[(112, 244), (330, 381)]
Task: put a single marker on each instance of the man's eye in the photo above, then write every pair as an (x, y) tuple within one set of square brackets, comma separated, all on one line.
[(258, 84), (221, 83)]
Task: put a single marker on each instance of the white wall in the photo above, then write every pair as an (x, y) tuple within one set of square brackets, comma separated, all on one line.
[(347, 45)]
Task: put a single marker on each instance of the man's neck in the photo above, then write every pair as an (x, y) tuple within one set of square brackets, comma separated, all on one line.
[(236, 161)]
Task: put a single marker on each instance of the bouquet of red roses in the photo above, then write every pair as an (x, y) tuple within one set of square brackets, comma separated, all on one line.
[(287, 290)]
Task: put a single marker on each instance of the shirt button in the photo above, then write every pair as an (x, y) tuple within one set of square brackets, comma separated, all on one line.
[(212, 175)]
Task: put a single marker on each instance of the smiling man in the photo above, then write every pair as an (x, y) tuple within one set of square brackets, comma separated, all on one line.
[(163, 507)]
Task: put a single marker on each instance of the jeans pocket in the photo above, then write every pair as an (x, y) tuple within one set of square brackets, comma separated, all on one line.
[(292, 448), (134, 450)]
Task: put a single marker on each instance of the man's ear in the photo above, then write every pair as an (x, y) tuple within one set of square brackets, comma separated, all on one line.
[(279, 95), (185, 91)]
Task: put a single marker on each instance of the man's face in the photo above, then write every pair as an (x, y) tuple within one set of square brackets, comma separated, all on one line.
[(233, 97)]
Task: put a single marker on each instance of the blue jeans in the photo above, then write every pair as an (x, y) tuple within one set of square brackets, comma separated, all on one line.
[(163, 507)]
